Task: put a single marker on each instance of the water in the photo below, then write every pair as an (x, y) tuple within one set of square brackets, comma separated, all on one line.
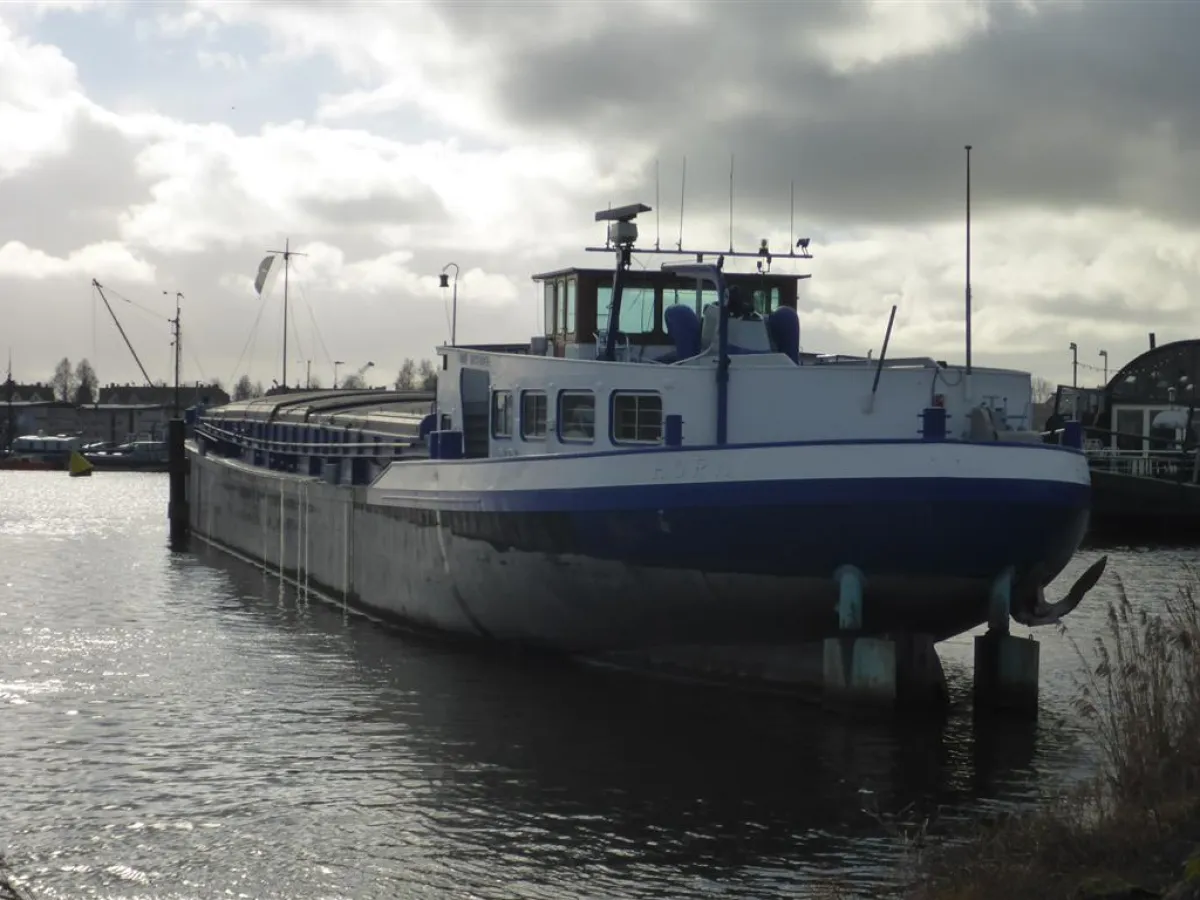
[(176, 727)]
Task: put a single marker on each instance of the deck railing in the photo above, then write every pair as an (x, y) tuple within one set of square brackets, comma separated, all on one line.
[(380, 444)]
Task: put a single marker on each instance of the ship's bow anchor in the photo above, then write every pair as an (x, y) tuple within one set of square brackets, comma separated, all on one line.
[(1032, 610)]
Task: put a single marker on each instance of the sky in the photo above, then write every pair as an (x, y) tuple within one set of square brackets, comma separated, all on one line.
[(164, 148)]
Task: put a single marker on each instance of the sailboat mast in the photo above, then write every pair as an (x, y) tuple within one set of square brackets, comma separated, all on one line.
[(286, 260), (261, 282), (8, 399), (968, 284)]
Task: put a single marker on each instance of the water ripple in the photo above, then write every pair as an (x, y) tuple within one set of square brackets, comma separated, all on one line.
[(175, 727)]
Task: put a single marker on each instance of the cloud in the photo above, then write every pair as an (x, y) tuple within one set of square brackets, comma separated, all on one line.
[(39, 100), (388, 140), (107, 259)]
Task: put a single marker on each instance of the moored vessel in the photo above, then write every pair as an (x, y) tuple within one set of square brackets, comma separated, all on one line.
[(664, 469)]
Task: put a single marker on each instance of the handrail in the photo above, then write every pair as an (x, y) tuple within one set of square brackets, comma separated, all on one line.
[(244, 440)]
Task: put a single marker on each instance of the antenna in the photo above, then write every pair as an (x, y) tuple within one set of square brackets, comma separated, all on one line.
[(287, 253), (968, 284), (657, 213), (730, 202), (792, 221), (682, 194)]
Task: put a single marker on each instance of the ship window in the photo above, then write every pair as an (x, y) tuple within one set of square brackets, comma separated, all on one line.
[(1130, 429), (577, 416), (686, 296), (533, 415), (501, 414), (764, 303), (570, 306), (637, 309), (637, 418), (549, 289)]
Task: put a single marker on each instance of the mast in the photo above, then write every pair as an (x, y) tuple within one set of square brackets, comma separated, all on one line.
[(8, 399), (286, 261), (968, 284), (175, 325), (287, 253)]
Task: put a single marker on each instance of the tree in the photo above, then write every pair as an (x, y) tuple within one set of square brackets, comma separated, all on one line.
[(63, 381), (353, 382), (314, 383), (256, 390), (406, 380), (243, 389), (427, 376), (86, 384), (1043, 390)]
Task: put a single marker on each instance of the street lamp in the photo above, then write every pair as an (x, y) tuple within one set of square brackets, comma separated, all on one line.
[(336, 363), (1104, 354), (1074, 365), (444, 281)]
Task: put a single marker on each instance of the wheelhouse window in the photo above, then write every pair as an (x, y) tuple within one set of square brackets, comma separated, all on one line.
[(637, 309), (570, 293), (687, 297), (766, 303), (637, 418), (533, 415), (577, 416), (501, 414), (550, 304)]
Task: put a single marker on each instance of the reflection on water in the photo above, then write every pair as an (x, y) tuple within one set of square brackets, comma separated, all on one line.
[(174, 726)]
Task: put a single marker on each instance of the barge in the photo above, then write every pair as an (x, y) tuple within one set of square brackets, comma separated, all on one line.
[(665, 474)]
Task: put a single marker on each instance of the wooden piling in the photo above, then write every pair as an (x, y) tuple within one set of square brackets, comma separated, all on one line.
[(177, 508)]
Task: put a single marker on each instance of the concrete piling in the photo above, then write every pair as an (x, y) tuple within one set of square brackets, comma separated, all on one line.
[(1006, 674), (889, 670), (1006, 667)]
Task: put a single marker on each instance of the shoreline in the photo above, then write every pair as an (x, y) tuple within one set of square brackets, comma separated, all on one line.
[(1131, 829)]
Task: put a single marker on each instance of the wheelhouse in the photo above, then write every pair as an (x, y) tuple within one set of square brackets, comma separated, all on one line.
[(577, 303)]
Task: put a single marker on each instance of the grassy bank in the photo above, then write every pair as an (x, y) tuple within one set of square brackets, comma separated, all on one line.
[(1133, 830)]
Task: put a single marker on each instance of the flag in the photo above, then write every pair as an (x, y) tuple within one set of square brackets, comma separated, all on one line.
[(265, 277)]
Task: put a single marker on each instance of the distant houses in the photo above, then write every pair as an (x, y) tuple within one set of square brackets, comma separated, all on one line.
[(141, 395), (121, 411)]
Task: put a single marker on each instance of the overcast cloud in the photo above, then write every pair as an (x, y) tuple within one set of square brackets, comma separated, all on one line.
[(163, 148)]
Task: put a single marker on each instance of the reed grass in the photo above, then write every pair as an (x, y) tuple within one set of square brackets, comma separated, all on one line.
[(1131, 829)]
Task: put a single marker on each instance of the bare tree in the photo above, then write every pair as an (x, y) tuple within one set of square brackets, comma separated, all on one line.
[(1043, 389), (63, 381), (353, 382), (314, 383), (406, 380), (243, 389), (256, 390), (427, 375), (86, 383)]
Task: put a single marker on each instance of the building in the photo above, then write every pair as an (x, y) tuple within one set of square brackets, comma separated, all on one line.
[(122, 412), (160, 395), (1149, 404)]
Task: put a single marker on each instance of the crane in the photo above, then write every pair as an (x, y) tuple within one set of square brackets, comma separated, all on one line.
[(355, 378)]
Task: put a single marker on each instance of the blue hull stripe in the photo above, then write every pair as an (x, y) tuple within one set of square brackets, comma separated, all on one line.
[(870, 496)]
